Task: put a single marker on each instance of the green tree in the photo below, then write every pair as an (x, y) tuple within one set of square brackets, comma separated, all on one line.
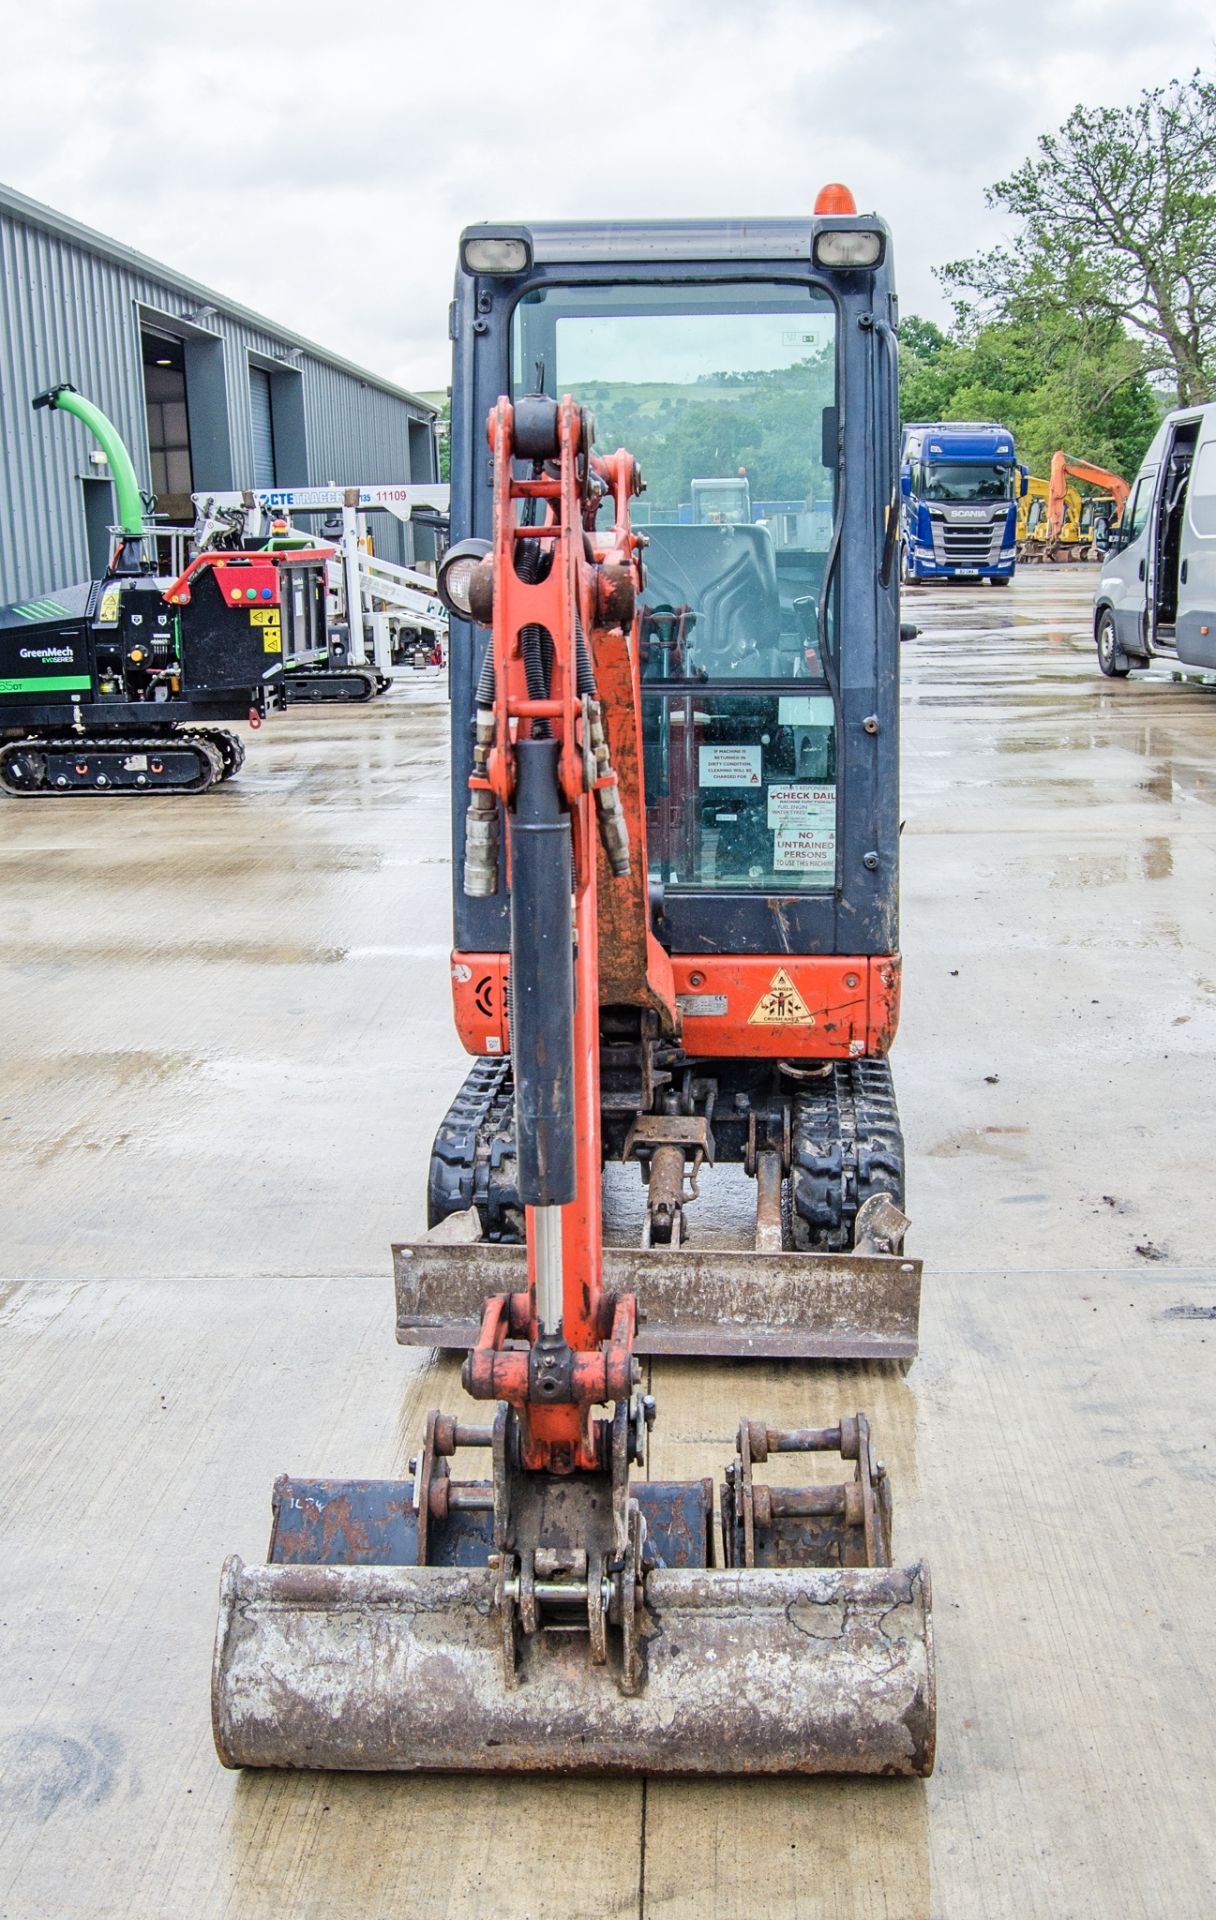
[(766, 422), (1056, 382), (1118, 212)]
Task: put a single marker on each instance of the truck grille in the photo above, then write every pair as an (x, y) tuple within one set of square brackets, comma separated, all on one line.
[(971, 546)]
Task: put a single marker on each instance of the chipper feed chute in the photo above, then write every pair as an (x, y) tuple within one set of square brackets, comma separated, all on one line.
[(557, 1614)]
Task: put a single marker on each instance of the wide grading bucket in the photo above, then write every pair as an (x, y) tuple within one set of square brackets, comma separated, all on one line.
[(757, 1670), (708, 1302)]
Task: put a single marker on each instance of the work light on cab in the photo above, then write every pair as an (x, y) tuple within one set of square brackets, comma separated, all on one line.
[(845, 247), (458, 571), (495, 253)]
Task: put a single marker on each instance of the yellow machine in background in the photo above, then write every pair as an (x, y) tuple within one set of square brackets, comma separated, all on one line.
[(1057, 522), (1034, 519)]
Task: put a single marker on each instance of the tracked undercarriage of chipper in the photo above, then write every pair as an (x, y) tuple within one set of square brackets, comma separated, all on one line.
[(558, 1613)]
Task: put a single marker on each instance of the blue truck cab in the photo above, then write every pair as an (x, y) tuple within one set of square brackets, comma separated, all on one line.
[(959, 484)]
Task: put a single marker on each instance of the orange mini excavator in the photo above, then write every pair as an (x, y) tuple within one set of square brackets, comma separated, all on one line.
[(676, 855)]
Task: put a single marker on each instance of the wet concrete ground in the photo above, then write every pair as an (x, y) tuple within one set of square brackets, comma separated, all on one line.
[(227, 1041)]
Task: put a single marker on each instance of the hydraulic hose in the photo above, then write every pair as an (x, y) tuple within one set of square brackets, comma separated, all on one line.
[(130, 498)]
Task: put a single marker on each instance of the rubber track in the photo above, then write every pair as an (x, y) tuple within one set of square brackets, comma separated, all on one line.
[(375, 683), (846, 1145), (473, 1159), (214, 753), (230, 746)]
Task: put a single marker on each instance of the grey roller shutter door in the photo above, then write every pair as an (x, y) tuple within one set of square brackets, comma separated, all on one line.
[(263, 428)]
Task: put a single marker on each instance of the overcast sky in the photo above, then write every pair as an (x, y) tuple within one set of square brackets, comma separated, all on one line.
[(317, 161)]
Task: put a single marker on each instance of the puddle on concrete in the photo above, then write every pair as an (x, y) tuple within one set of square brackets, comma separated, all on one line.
[(122, 953), (122, 1067), (992, 1142)]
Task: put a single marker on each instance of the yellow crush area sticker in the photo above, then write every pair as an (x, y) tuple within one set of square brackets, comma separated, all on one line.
[(781, 1006), (107, 612), (269, 619)]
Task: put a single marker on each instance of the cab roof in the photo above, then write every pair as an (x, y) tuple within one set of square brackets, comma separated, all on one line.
[(574, 242)]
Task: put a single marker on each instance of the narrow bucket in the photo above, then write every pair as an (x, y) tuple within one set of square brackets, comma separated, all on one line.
[(777, 1671), (708, 1303)]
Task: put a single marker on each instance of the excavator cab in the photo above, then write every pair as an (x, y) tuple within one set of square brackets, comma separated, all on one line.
[(741, 363), (675, 840)]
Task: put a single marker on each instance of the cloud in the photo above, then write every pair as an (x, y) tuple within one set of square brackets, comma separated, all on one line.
[(319, 163)]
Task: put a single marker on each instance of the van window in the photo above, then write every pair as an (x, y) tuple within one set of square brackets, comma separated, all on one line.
[(1141, 507), (1202, 498)]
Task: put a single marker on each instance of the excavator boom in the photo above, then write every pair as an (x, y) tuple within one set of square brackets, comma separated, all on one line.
[(1062, 466)]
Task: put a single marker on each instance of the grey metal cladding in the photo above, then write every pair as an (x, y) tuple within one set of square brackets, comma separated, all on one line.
[(71, 305)]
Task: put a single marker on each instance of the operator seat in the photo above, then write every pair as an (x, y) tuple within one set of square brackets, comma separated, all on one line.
[(726, 576)]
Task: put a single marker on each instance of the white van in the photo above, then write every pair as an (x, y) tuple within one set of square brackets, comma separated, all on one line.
[(1157, 590)]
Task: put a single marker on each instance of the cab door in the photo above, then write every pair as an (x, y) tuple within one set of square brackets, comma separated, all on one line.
[(1125, 575), (1196, 618)]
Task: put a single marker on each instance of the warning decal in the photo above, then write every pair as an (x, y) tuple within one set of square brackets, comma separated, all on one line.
[(781, 1006), (725, 766), (802, 806)]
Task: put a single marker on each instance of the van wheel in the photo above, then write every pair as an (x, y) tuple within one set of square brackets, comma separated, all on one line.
[(1115, 665)]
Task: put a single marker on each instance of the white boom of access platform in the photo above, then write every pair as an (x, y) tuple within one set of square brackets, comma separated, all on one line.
[(392, 602)]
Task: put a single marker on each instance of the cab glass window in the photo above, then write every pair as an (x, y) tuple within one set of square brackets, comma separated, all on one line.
[(741, 790), (1140, 508), (726, 396), (955, 480)]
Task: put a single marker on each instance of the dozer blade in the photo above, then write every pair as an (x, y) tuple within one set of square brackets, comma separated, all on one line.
[(709, 1302), (782, 1670)]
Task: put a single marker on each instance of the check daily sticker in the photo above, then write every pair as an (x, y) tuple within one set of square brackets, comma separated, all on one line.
[(805, 805), (723, 766)]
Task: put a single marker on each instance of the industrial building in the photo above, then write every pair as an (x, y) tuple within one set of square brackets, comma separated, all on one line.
[(205, 393)]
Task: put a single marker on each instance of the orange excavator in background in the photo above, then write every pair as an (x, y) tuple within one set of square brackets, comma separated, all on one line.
[(1106, 507)]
